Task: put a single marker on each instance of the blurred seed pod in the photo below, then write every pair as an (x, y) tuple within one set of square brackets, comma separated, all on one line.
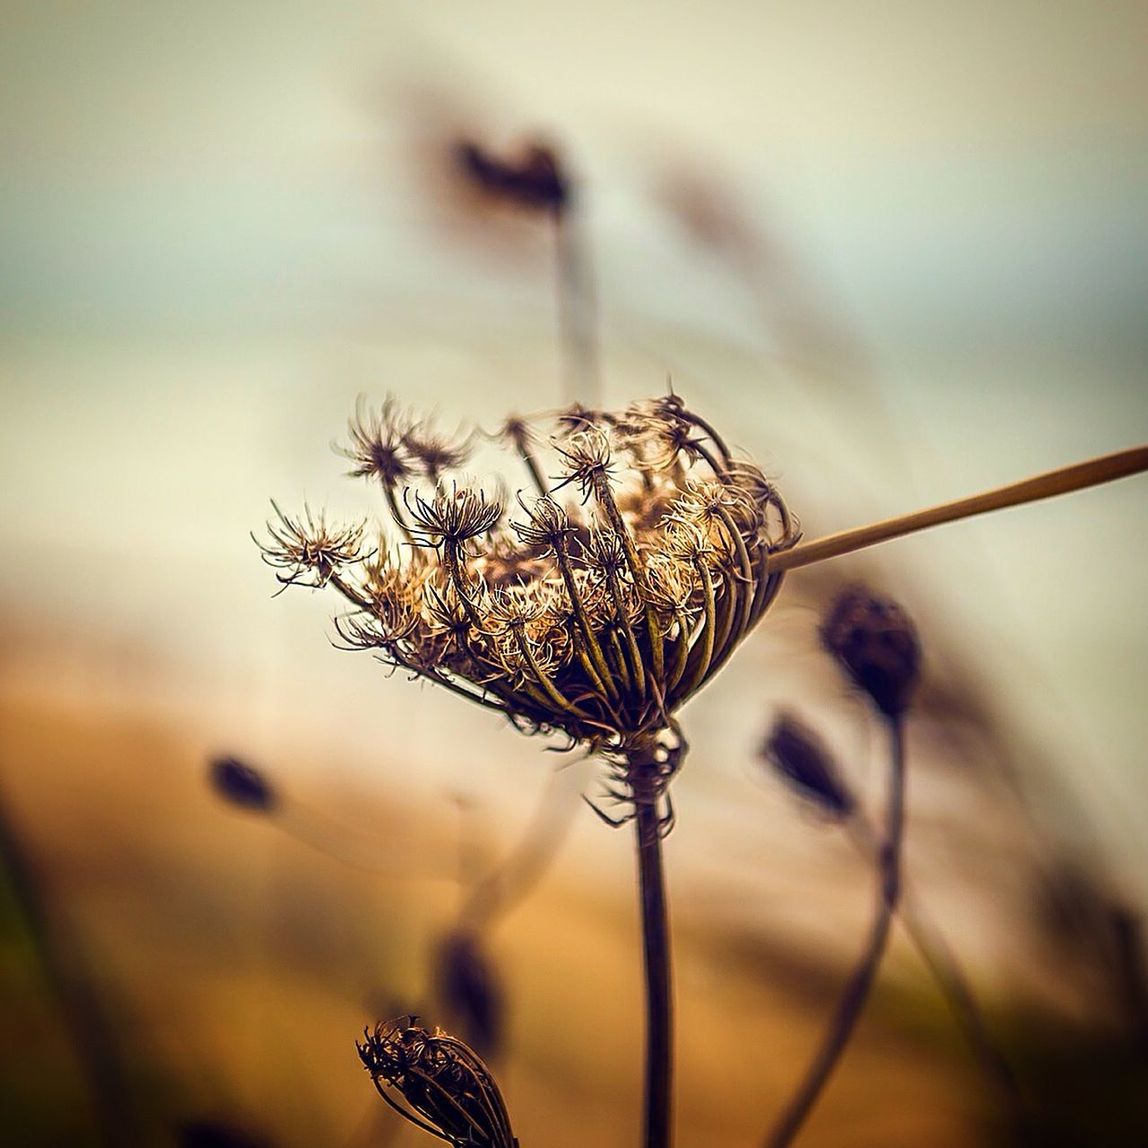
[(242, 785), (876, 643), (800, 758)]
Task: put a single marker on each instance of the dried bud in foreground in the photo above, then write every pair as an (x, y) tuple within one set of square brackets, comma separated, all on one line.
[(443, 1086), (876, 642), (798, 756)]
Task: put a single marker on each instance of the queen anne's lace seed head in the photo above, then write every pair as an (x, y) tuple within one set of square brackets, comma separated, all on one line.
[(437, 1082), (307, 551), (451, 515), (434, 453), (586, 457), (378, 446), (597, 617), (547, 525)]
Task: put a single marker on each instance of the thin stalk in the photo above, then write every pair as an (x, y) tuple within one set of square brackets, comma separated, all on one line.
[(536, 476), (658, 1093), (856, 991), (576, 308), (397, 513), (513, 878), (84, 1019), (950, 977), (1079, 476), (946, 970)]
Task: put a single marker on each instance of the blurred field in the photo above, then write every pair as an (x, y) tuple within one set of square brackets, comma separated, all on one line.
[(233, 965)]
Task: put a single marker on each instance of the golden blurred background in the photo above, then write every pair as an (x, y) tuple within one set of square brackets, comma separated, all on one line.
[(896, 252)]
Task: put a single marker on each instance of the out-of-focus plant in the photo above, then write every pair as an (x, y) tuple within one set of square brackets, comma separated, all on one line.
[(877, 645), (795, 753)]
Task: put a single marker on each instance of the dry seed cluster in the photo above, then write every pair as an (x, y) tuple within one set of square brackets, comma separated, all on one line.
[(595, 602)]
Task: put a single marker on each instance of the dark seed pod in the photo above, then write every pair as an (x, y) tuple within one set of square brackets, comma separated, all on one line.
[(532, 180), (470, 989), (798, 756), (876, 642), (242, 785)]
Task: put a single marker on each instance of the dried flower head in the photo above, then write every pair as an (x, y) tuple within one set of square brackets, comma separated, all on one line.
[(596, 618), (443, 1086), (436, 453), (876, 642), (799, 757), (451, 516), (307, 551), (533, 180), (379, 443)]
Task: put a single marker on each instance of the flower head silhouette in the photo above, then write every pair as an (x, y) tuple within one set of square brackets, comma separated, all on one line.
[(595, 606)]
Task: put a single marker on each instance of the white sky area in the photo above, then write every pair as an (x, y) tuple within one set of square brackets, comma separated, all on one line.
[(215, 232)]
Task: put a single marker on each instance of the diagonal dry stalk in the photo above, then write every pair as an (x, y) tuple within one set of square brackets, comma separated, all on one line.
[(1079, 476)]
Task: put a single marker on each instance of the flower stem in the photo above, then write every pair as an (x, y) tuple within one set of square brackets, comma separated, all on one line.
[(1095, 471), (84, 1018), (861, 981), (656, 957), (576, 317), (946, 970)]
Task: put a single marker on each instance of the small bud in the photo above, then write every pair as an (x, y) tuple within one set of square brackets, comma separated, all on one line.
[(445, 1087), (469, 987), (800, 759), (532, 180), (242, 785), (876, 642)]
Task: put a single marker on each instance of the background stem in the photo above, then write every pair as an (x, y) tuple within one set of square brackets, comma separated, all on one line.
[(576, 311), (861, 981), (83, 1017), (946, 970)]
